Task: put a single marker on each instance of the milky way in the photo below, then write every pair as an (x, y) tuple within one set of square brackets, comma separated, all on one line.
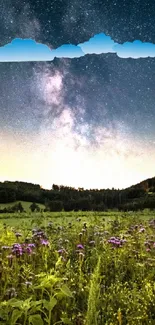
[(85, 122)]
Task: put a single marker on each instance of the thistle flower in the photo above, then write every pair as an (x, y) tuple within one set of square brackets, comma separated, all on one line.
[(50, 224), (18, 234), (61, 251), (80, 246), (31, 245), (116, 241), (28, 283), (5, 247), (28, 250), (45, 242), (17, 250), (142, 229), (10, 258), (85, 225), (11, 293), (60, 228), (81, 256), (92, 242)]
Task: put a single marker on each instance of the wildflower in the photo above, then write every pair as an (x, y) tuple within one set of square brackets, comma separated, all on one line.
[(45, 242), (18, 234), (106, 232), (116, 241), (34, 230), (27, 240), (80, 246), (6, 247), (97, 233), (10, 258), (80, 235), (28, 250), (31, 245), (50, 224), (92, 242), (61, 251), (60, 228), (11, 293), (17, 250), (28, 283), (142, 229), (81, 256)]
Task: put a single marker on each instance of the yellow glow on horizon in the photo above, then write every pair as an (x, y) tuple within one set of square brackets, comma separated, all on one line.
[(47, 160)]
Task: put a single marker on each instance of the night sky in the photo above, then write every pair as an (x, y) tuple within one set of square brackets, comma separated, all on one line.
[(88, 121)]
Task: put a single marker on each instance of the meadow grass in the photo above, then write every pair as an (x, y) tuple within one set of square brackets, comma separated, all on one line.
[(26, 205), (77, 268)]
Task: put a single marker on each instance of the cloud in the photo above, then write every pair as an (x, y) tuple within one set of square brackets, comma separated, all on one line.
[(135, 50), (24, 50), (68, 51), (98, 44)]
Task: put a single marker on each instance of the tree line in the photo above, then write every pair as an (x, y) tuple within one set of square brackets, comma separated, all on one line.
[(67, 198)]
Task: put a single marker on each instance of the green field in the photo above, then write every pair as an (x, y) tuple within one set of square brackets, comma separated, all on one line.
[(77, 268), (26, 205)]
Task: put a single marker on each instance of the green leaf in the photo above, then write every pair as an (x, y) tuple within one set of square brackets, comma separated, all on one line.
[(16, 303), (36, 320), (66, 291), (15, 315), (49, 305)]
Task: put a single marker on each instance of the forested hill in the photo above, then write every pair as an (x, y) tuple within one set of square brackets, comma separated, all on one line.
[(136, 197)]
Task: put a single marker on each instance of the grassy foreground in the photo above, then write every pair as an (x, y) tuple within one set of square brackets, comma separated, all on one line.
[(77, 268)]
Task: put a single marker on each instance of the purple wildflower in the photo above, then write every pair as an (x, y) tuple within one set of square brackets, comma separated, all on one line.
[(60, 251), (116, 241), (31, 245), (17, 250), (28, 250), (80, 246), (45, 242)]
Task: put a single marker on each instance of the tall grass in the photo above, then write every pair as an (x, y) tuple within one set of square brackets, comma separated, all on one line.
[(93, 298)]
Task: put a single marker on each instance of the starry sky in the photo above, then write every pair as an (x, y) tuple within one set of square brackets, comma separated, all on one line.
[(83, 122)]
